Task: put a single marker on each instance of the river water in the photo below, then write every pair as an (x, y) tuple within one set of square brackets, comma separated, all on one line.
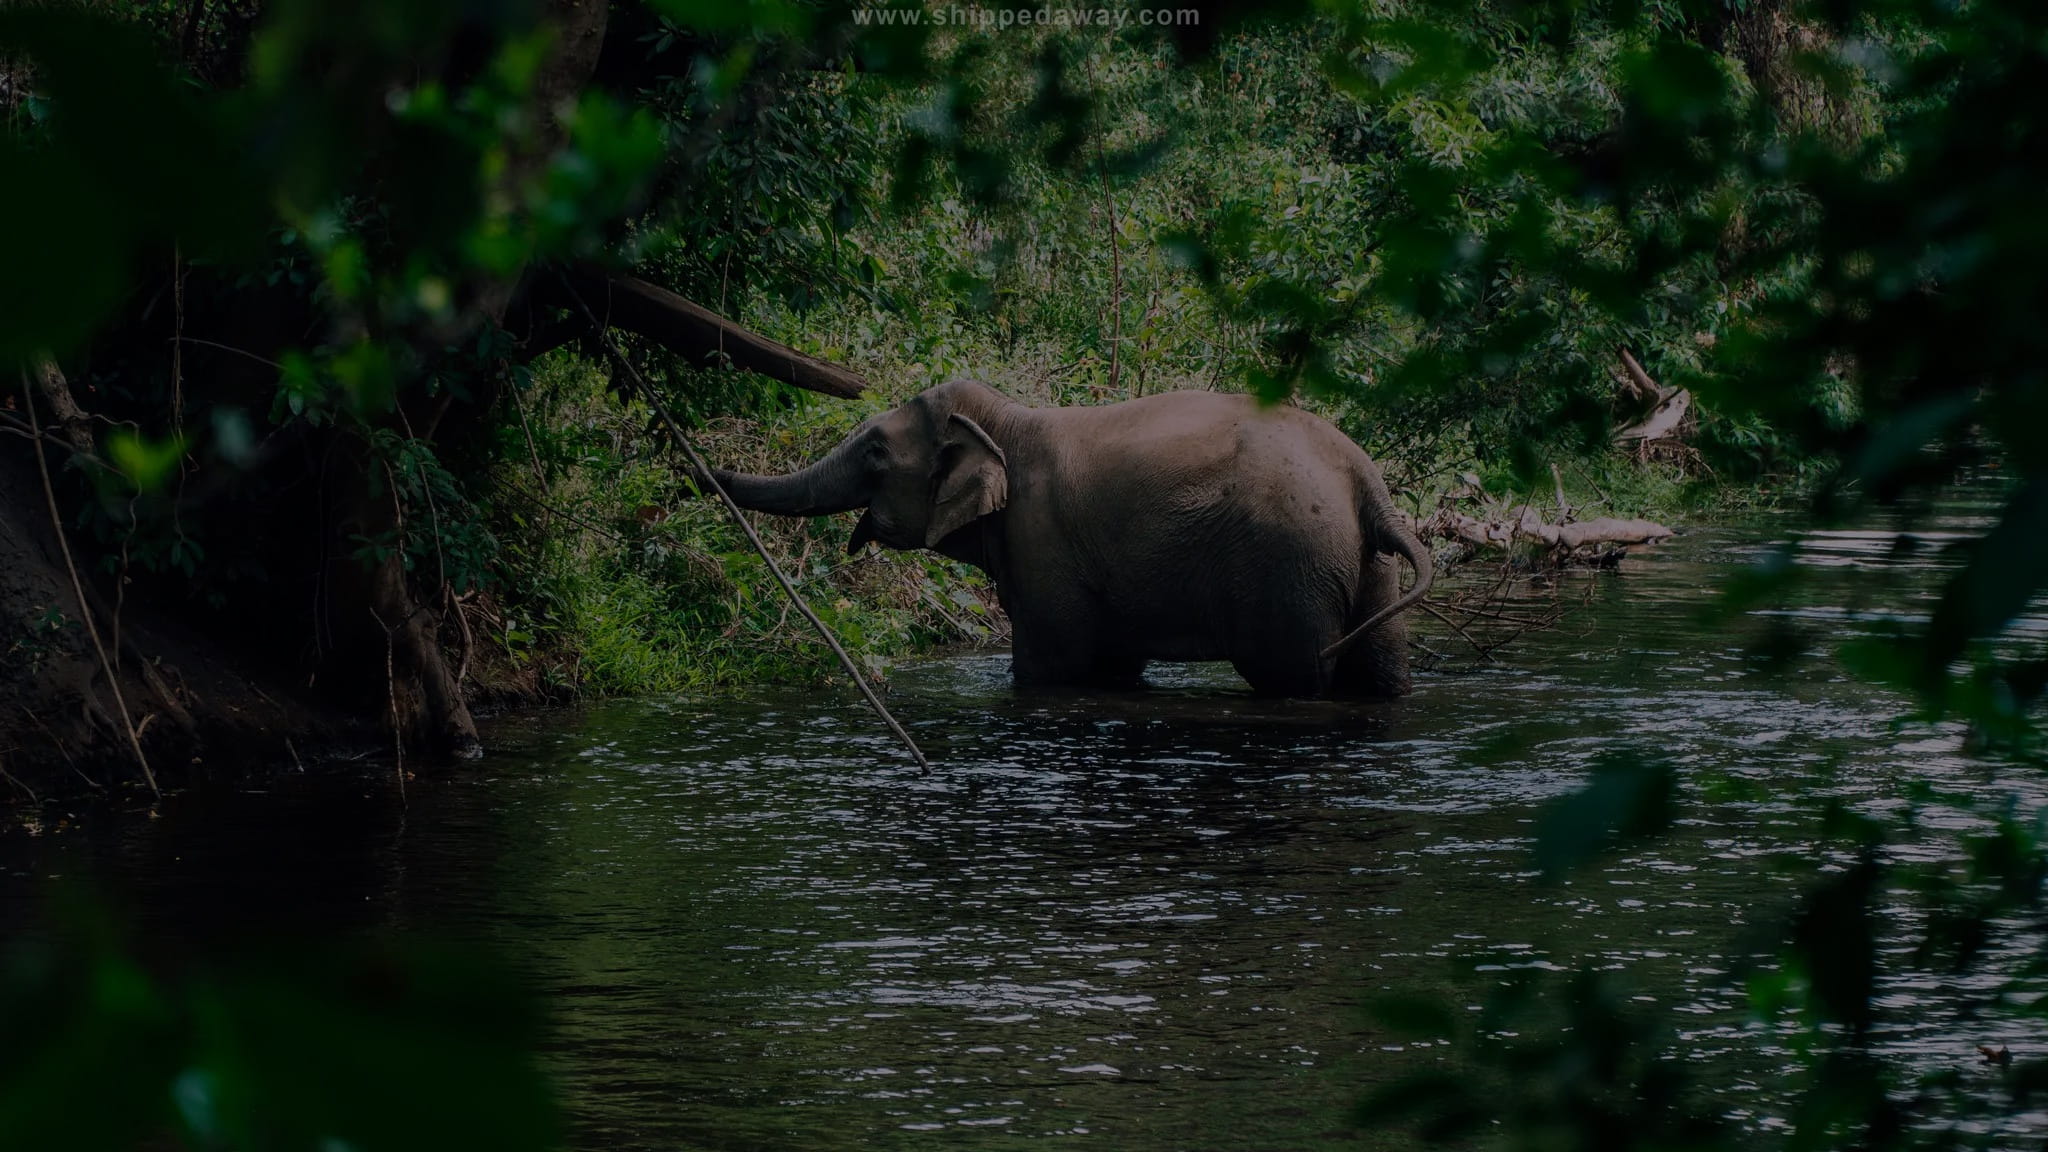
[(1144, 921)]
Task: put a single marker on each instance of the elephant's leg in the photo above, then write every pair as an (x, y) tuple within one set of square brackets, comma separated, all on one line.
[(1282, 673), (1052, 649), (1282, 623), (1070, 658), (1376, 665), (1117, 670), (1282, 657), (1037, 663), (1057, 632)]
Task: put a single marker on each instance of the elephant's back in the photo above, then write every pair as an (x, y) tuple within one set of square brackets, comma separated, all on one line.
[(1214, 464), (1198, 431), (1207, 503)]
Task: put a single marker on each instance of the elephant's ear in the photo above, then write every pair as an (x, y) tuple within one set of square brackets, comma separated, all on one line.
[(973, 479)]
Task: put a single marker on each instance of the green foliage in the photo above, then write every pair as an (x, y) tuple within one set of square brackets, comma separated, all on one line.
[(1839, 229), (143, 465), (1848, 287), (118, 168), (764, 206), (445, 533), (1823, 220), (368, 1046), (622, 582), (1550, 1062), (1626, 801)]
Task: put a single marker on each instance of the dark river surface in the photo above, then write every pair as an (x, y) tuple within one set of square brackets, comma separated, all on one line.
[(1145, 921)]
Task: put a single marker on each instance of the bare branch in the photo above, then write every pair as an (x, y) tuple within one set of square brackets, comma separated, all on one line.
[(72, 421)]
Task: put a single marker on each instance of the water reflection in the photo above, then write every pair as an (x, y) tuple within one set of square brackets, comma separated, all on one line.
[(1145, 918)]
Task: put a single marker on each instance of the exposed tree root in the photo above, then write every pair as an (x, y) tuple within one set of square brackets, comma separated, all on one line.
[(431, 710)]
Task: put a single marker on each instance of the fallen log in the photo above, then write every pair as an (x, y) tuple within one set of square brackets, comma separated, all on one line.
[(1526, 524), (687, 329), (1601, 530)]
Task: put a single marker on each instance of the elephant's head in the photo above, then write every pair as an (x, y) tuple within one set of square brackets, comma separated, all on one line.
[(923, 471)]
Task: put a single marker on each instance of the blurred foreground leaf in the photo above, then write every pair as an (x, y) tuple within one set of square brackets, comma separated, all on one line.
[(1628, 799), (366, 1045)]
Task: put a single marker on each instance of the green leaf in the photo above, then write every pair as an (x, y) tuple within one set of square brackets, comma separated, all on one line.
[(1628, 799), (143, 462), (2006, 568), (1413, 1015)]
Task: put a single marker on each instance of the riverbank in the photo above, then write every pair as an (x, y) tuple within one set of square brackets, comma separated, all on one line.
[(608, 580), (621, 584)]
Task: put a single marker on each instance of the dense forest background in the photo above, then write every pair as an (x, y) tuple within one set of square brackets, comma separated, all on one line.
[(318, 322), (307, 304)]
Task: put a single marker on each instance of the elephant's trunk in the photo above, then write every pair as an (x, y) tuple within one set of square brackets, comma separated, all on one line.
[(833, 484), (1403, 541)]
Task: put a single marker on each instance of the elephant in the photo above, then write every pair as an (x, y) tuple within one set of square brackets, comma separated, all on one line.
[(1180, 526)]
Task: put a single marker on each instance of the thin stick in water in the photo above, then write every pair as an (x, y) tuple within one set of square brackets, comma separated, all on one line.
[(702, 470)]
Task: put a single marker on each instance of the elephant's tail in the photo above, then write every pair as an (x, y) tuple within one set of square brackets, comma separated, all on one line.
[(1397, 534)]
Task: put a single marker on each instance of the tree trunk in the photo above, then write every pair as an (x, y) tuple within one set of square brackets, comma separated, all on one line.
[(424, 693)]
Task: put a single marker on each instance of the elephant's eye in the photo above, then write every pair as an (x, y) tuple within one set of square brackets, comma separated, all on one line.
[(875, 455)]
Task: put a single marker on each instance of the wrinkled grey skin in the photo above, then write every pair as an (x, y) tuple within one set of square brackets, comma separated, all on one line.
[(1181, 526)]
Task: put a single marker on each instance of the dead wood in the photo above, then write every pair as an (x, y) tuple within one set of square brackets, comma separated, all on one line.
[(1525, 523), (1566, 542), (1491, 614), (694, 332), (70, 419), (1637, 383), (1663, 422), (1668, 407)]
